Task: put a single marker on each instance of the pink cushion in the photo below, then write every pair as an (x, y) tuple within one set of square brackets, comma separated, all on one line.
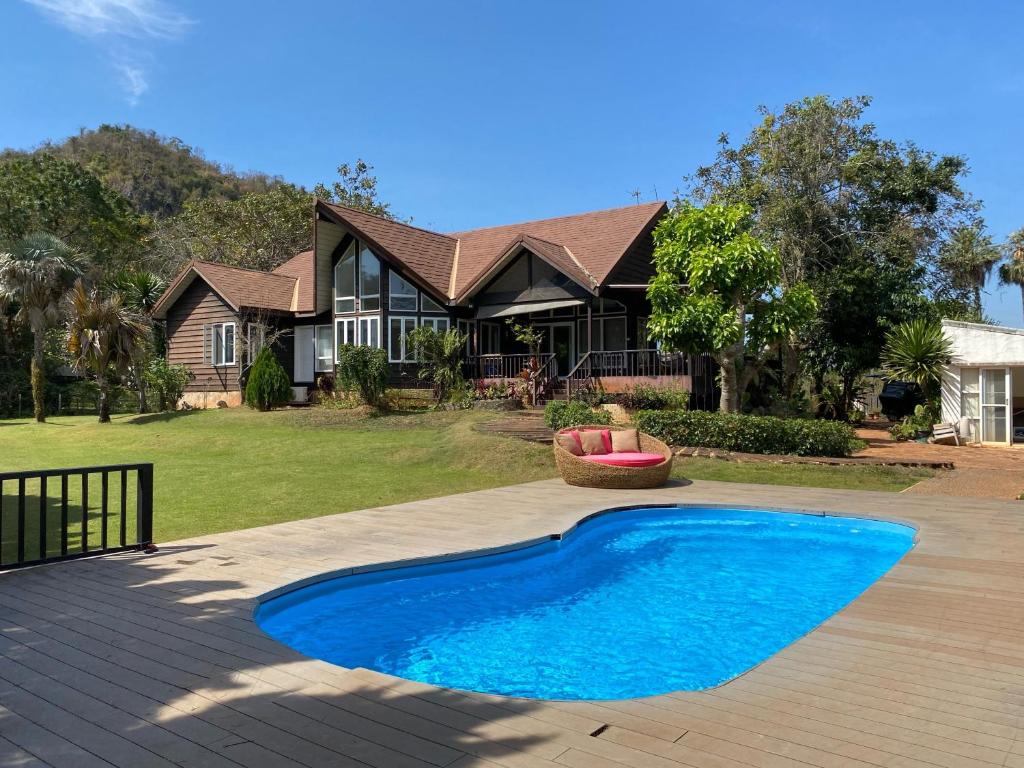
[(576, 436), (626, 459), (606, 438)]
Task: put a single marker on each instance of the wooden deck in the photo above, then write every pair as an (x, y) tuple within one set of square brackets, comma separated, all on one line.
[(137, 661)]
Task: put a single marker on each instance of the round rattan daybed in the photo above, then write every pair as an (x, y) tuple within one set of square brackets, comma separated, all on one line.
[(576, 470)]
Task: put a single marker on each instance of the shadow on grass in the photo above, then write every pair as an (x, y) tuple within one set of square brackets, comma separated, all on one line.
[(157, 418), (162, 653)]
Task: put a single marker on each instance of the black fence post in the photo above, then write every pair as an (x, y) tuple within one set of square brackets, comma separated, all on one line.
[(144, 504)]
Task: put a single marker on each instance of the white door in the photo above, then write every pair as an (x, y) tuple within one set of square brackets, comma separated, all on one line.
[(305, 353), (995, 405)]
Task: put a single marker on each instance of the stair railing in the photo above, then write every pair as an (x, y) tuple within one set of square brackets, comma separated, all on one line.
[(580, 376)]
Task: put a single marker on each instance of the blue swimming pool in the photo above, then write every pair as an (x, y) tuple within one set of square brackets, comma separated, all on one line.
[(630, 603)]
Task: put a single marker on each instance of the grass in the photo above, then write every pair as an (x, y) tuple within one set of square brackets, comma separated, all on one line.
[(223, 470), (855, 478)]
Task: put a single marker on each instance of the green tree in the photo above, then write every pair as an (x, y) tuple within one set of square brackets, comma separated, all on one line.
[(968, 257), (364, 371), (917, 351), (103, 339), (440, 359), (44, 193), (355, 188), (34, 277), (268, 384), (735, 306), (837, 201), (260, 230), (168, 381), (140, 290), (1011, 272)]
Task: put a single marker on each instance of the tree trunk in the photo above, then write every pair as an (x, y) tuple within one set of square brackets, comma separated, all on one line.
[(977, 301), (140, 386), (38, 377), (729, 402), (104, 387)]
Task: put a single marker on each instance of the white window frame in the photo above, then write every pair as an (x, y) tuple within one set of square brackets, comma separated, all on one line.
[(362, 249), (407, 323), (215, 348), (344, 333), (436, 323), (427, 304), (392, 293), (354, 249), (319, 366), (370, 321)]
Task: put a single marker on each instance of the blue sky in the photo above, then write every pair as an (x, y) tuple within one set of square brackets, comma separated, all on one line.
[(480, 112)]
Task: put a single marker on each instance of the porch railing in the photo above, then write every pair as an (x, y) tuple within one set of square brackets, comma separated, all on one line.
[(61, 514), (630, 364), (538, 371)]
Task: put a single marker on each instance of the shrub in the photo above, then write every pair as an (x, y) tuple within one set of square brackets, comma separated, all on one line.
[(440, 358), (559, 414), (268, 384), (750, 434), (364, 371), (644, 397), (590, 394), (167, 381)]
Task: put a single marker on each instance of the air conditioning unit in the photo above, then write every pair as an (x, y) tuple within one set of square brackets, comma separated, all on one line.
[(300, 394)]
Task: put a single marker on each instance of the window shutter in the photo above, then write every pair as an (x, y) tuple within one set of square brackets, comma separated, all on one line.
[(206, 345)]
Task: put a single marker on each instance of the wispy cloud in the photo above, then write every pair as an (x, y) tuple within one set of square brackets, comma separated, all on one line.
[(123, 26)]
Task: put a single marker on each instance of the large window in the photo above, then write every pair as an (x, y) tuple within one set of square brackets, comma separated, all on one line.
[(324, 349), (403, 294), (369, 280), (427, 304), (609, 334), (345, 281), (369, 331), (399, 349), (219, 344), (490, 338)]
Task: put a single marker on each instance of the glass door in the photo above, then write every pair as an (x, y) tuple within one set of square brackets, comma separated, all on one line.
[(560, 340), (995, 405)]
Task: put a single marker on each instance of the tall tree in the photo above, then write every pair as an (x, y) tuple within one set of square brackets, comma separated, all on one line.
[(968, 257), (355, 188), (833, 199), (34, 276), (44, 193), (1011, 271), (734, 306), (103, 339), (139, 291)]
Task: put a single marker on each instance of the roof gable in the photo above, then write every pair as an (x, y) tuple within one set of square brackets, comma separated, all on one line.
[(239, 288), (301, 268)]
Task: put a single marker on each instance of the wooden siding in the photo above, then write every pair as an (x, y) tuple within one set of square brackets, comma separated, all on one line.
[(328, 235), (200, 305)]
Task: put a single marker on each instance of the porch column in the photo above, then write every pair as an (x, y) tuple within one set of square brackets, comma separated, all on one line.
[(590, 326)]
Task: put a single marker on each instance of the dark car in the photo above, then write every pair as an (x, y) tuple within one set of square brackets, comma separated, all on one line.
[(899, 398)]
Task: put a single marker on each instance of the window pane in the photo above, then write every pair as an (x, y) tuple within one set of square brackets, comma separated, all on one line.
[(994, 428), (403, 293), (395, 339), (969, 381), (427, 304), (441, 324), (369, 280), (229, 344), (615, 333), (324, 348), (994, 383), (971, 408), (217, 332), (345, 281)]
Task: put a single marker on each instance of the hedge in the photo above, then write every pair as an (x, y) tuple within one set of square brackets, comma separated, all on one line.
[(750, 434), (559, 414)]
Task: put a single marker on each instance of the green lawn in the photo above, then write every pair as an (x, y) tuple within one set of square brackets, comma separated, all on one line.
[(222, 470), (862, 478)]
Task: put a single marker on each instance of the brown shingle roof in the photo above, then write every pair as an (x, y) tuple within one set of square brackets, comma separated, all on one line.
[(240, 288), (597, 240), (301, 267), (428, 255)]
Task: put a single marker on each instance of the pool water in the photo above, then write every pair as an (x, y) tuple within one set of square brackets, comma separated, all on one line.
[(630, 603)]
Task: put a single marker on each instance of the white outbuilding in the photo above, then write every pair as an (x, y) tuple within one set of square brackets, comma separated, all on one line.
[(983, 387)]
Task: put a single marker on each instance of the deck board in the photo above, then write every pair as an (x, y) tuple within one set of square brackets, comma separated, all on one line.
[(134, 660)]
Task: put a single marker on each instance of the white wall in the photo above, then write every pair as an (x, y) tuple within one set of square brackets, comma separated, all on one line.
[(950, 394), (975, 344)]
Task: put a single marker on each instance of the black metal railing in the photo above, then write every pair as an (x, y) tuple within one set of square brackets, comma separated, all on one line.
[(641, 364), (58, 514)]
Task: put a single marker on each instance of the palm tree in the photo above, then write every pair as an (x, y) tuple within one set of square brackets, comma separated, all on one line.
[(917, 351), (1011, 271), (139, 291), (103, 338), (35, 275), (970, 256)]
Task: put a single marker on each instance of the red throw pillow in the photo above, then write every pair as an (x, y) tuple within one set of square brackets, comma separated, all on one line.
[(575, 435), (606, 438)]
